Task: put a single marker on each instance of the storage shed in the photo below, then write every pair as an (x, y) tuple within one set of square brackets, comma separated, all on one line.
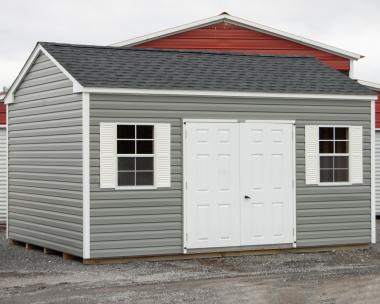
[(120, 152)]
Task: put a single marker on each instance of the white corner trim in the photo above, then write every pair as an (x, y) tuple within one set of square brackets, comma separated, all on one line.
[(351, 72), (294, 184), (6, 172), (225, 94), (9, 98), (372, 85), (373, 175), (240, 22), (86, 173)]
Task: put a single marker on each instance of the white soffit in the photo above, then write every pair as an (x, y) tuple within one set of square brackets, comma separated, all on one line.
[(243, 23)]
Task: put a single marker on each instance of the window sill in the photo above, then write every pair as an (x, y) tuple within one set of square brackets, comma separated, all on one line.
[(135, 187), (335, 184)]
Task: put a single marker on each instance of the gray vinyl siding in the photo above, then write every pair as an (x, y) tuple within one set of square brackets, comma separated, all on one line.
[(3, 175), (144, 222), (45, 161), (377, 171)]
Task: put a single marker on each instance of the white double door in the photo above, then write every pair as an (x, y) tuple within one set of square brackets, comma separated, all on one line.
[(238, 184)]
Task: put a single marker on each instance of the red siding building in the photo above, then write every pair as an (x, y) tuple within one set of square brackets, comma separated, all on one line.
[(3, 115), (224, 36), (232, 34)]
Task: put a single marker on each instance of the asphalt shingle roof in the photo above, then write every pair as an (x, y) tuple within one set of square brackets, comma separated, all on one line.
[(133, 68)]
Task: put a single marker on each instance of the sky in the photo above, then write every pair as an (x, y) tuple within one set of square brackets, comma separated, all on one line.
[(350, 25)]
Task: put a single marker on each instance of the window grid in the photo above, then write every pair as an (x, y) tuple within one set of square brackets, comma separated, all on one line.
[(135, 156), (334, 155)]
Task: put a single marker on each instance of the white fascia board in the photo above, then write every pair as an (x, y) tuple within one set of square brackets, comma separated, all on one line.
[(168, 32), (225, 94), (244, 23), (351, 71), (77, 87), (372, 85), (9, 98)]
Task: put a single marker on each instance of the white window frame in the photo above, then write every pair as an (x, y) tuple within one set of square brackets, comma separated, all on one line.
[(117, 155), (348, 183)]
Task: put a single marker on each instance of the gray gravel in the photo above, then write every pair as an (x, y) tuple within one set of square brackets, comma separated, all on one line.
[(29, 276)]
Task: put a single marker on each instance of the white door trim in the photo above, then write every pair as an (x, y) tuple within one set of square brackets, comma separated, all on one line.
[(294, 183), (271, 121), (184, 185), (209, 120), (185, 170)]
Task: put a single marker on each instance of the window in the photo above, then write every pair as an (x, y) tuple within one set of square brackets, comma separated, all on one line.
[(334, 154), (135, 155)]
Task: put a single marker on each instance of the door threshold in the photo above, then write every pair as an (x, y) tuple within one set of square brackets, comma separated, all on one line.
[(239, 248)]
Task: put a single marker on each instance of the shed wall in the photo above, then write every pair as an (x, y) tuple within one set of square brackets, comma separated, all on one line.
[(143, 222), (45, 160)]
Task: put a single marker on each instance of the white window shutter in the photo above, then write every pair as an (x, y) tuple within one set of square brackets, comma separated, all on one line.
[(356, 154), (107, 155), (162, 155), (311, 155)]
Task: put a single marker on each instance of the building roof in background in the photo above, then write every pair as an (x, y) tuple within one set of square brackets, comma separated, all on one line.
[(225, 17)]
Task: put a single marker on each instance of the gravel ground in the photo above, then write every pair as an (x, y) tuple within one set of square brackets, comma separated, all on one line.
[(29, 276)]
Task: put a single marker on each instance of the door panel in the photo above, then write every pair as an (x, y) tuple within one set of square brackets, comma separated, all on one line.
[(266, 180), (212, 185), (239, 184)]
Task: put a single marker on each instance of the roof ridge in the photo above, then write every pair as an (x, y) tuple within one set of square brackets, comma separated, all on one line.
[(173, 50)]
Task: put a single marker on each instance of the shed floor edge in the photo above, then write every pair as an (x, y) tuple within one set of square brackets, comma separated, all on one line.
[(205, 255)]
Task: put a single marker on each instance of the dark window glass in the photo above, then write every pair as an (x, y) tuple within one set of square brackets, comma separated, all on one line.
[(326, 175), (126, 147), (326, 147), (126, 131), (341, 175), (126, 163), (326, 133), (341, 162), (326, 162), (126, 178), (144, 178), (341, 133), (144, 163), (341, 147), (132, 170), (144, 147), (145, 132)]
